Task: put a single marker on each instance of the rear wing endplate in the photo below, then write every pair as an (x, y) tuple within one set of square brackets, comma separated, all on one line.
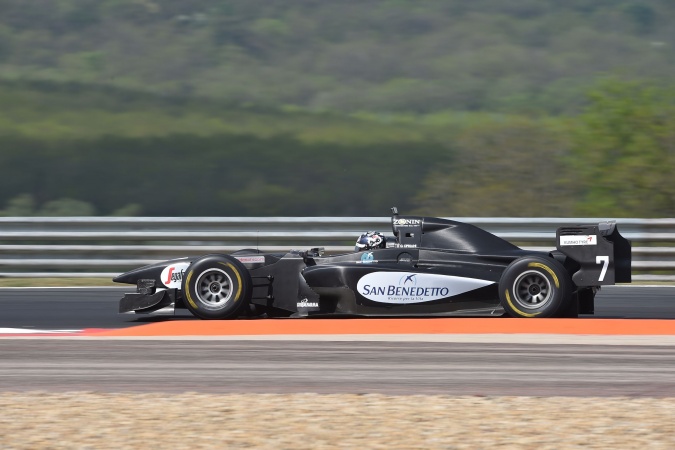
[(603, 254)]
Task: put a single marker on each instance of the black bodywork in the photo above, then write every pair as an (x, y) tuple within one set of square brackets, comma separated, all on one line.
[(431, 267)]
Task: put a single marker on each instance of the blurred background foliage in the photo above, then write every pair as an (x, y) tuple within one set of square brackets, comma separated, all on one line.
[(307, 107)]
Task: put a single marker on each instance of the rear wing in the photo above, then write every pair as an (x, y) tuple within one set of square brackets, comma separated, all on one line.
[(603, 254)]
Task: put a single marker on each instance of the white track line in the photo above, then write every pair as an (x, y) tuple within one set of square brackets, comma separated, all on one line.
[(33, 331), (533, 339)]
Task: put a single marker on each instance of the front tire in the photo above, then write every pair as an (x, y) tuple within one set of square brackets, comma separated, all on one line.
[(535, 286), (216, 287)]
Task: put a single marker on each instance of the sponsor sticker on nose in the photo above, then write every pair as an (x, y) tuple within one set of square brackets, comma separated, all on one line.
[(172, 276)]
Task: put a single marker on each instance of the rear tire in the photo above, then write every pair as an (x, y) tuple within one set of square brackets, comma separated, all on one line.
[(216, 287), (535, 286)]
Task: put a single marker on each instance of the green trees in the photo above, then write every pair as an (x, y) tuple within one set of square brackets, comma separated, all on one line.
[(160, 158), (251, 107), (401, 56), (614, 160), (624, 151), (513, 166), (24, 205), (187, 175)]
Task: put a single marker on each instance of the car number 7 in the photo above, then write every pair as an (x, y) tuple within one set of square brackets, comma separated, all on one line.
[(604, 260)]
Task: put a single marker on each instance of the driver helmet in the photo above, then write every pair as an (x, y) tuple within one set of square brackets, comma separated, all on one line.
[(370, 240)]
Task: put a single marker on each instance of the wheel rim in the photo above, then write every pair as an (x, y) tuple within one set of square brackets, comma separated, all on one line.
[(532, 290), (214, 288)]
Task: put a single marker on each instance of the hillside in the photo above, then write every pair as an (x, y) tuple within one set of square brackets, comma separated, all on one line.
[(307, 107), (76, 149), (354, 55)]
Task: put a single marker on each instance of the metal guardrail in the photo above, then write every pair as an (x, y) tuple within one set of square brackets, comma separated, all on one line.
[(107, 246)]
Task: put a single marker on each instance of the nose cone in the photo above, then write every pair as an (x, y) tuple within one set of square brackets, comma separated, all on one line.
[(131, 277), (127, 278), (150, 272)]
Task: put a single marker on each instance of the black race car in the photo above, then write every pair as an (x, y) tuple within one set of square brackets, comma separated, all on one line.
[(430, 267)]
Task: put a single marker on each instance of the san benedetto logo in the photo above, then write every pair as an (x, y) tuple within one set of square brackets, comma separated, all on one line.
[(406, 287)]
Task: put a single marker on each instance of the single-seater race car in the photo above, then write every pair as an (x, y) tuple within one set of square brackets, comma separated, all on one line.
[(429, 267)]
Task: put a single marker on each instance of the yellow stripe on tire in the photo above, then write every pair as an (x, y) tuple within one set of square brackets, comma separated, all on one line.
[(187, 291), (236, 272), (548, 269), (524, 314)]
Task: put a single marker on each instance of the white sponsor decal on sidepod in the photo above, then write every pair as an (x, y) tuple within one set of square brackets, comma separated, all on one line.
[(406, 287), (172, 276), (579, 240)]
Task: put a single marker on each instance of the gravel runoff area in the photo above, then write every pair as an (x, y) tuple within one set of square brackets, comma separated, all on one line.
[(78, 420)]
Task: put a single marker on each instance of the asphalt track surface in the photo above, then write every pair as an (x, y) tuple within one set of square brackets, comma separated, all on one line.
[(395, 368), (356, 366), (79, 308)]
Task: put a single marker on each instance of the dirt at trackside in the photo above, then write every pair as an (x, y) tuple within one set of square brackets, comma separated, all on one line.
[(312, 421)]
